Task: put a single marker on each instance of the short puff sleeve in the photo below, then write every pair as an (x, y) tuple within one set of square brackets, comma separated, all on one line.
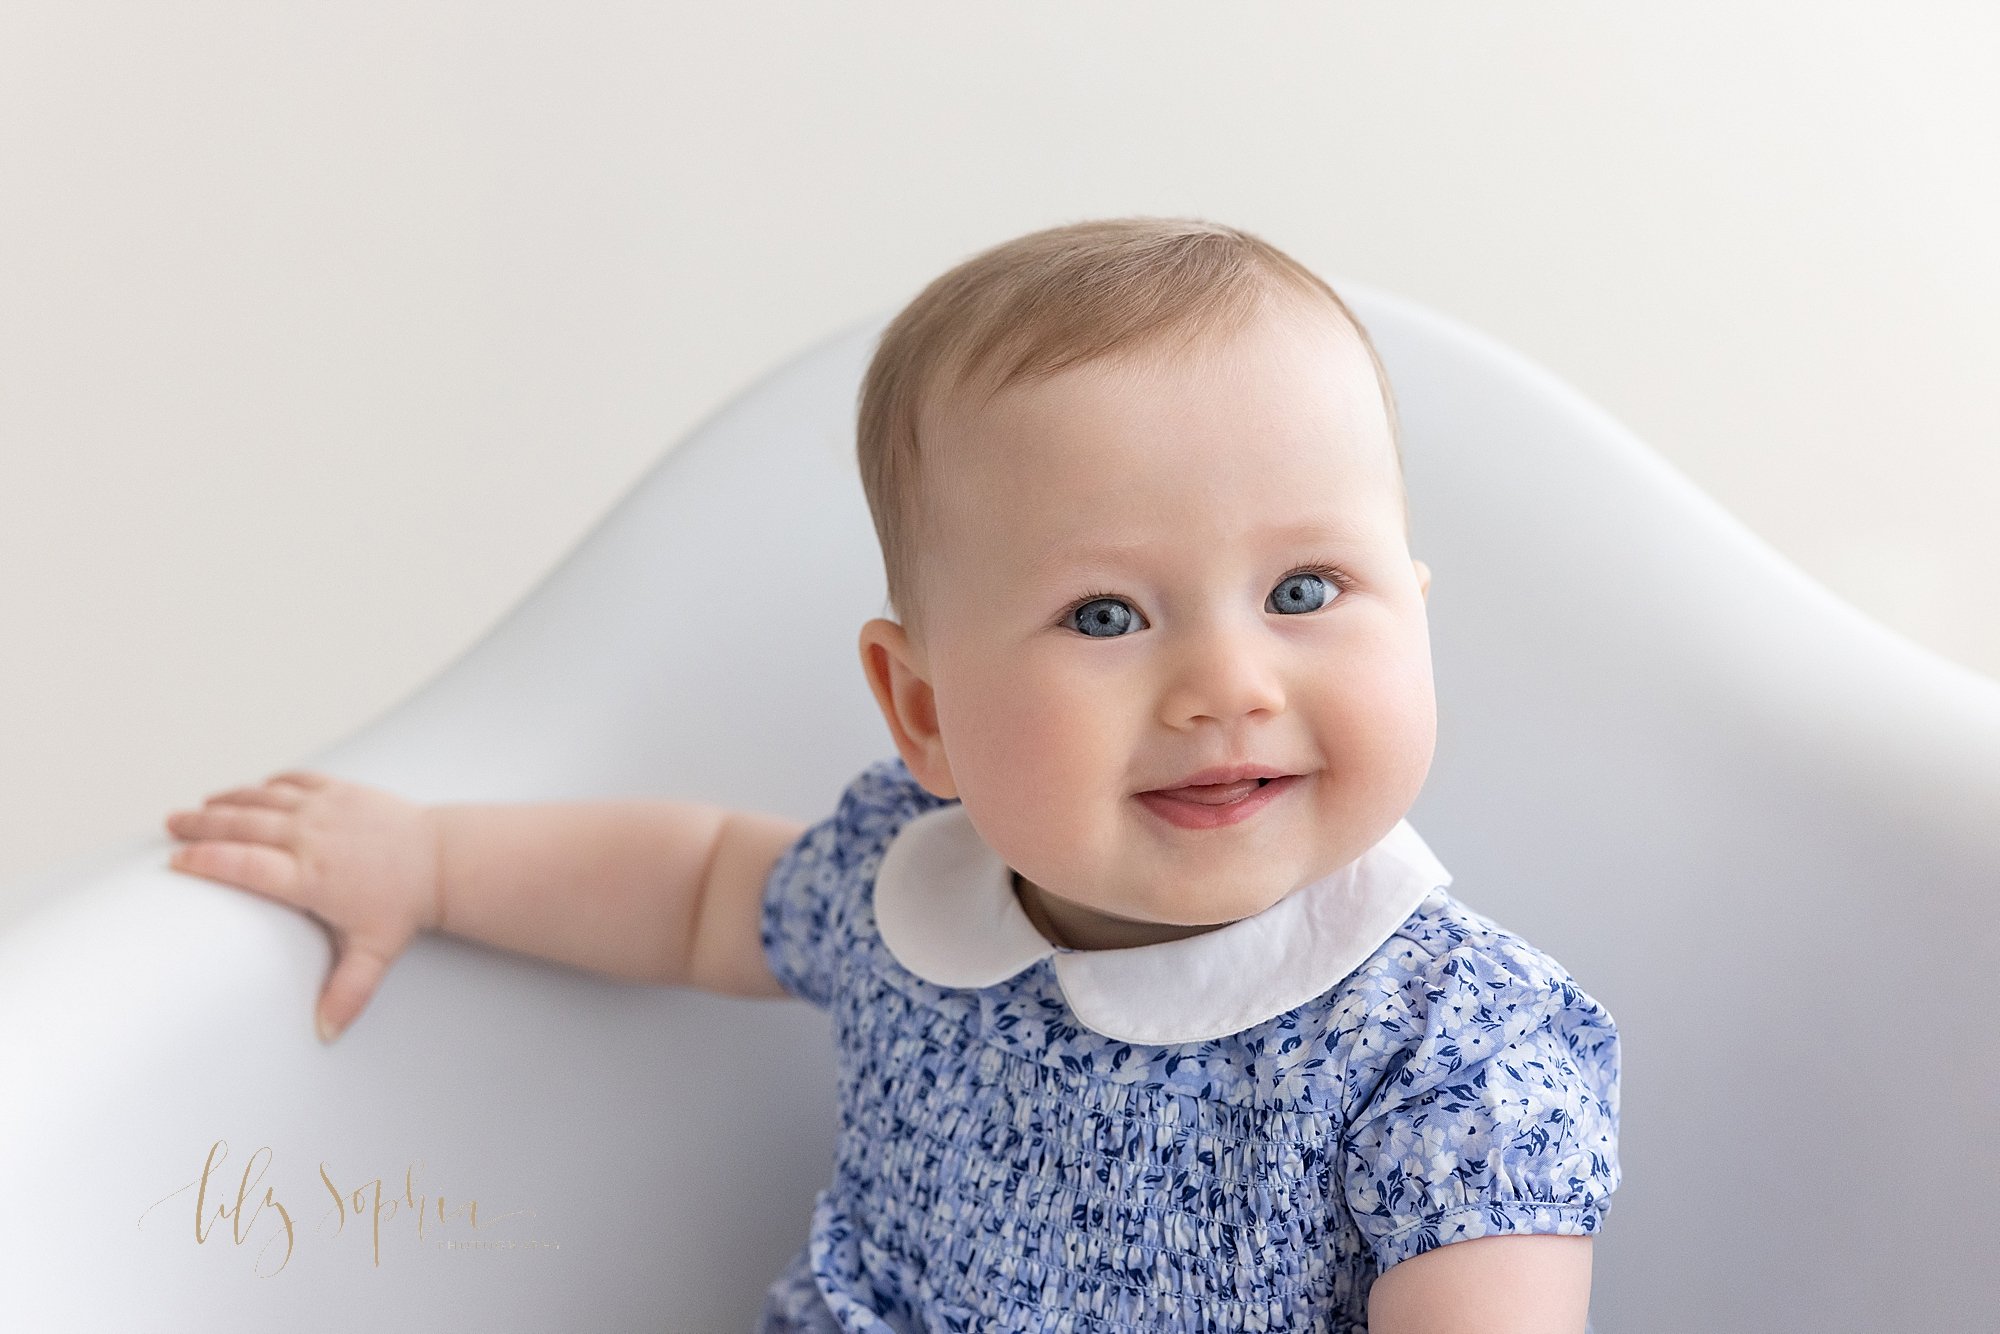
[(809, 915), (1497, 1109)]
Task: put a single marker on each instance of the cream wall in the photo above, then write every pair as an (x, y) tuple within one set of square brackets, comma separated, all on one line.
[(325, 330)]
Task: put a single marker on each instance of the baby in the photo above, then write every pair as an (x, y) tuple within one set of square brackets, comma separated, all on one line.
[(1155, 1012)]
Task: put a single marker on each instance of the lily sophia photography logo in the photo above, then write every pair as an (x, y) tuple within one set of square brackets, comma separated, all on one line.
[(250, 1210)]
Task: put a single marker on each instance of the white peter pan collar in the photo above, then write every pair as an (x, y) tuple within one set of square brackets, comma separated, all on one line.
[(945, 906)]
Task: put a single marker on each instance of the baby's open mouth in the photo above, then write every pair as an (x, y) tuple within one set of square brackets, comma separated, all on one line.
[(1216, 794)]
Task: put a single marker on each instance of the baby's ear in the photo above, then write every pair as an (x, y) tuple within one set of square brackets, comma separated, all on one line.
[(908, 704), (1423, 579)]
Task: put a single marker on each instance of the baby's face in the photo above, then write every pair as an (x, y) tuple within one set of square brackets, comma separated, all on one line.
[(1127, 595)]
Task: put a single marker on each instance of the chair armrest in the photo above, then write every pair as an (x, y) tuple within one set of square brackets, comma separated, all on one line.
[(154, 1026)]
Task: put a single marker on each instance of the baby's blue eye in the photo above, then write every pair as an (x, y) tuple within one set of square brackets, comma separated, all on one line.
[(1110, 615), (1296, 594), (1107, 617)]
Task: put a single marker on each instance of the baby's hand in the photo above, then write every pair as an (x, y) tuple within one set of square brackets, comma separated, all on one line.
[(361, 860)]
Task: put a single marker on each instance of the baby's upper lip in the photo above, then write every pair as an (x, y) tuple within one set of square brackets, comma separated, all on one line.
[(1227, 773)]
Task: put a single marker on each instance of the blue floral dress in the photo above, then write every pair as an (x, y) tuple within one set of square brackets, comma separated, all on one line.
[(1003, 1164)]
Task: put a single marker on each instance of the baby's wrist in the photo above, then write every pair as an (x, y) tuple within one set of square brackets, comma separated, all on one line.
[(431, 821)]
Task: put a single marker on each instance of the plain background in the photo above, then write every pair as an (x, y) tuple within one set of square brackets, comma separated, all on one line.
[(325, 330)]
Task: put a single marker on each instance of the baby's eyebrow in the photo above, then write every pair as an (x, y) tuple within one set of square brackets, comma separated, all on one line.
[(1055, 557), (1052, 558)]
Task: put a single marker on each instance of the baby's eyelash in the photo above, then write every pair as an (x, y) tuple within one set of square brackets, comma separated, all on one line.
[(1332, 573), (1339, 577), (1081, 603)]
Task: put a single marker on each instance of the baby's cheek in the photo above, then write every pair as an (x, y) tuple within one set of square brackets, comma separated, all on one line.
[(988, 706), (1067, 738), (1035, 748)]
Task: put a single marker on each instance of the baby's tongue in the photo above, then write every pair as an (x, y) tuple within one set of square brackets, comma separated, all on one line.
[(1216, 794)]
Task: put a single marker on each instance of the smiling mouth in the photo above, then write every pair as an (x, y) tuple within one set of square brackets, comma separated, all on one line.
[(1218, 805), (1216, 794)]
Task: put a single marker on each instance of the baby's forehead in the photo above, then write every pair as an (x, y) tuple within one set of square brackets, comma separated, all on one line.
[(987, 459), (1285, 404)]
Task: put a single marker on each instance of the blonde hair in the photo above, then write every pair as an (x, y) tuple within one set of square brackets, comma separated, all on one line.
[(1036, 305)]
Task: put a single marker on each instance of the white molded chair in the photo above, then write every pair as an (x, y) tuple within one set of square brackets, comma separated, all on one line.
[(1756, 825)]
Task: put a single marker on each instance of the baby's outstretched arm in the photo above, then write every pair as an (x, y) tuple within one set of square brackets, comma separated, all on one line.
[(646, 890), (1523, 1283)]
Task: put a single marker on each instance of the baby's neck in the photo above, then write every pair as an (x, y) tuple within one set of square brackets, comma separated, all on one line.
[(1073, 926)]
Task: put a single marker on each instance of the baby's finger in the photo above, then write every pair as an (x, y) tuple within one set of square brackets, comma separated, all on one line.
[(358, 973), (242, 824), (305, 778), (282, 796), (272, 872)]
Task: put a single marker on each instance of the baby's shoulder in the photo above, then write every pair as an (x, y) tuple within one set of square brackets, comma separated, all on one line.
[(875, 805), (1450, 974), (1446, 938)]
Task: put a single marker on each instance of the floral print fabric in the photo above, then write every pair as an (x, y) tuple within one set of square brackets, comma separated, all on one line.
[(999, 1166)]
